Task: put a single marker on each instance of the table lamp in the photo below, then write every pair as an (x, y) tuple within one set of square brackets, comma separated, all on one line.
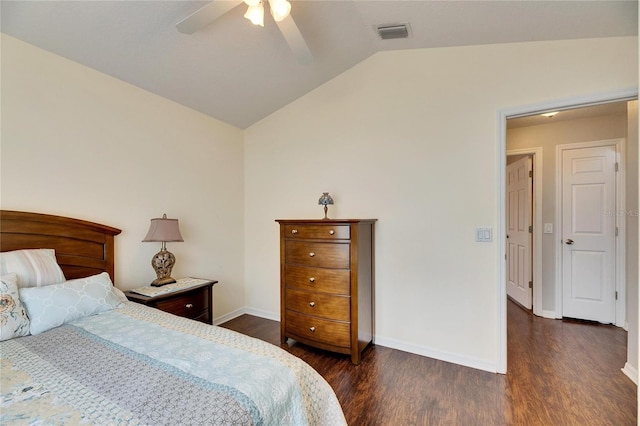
[(163, 230), (325, 200)]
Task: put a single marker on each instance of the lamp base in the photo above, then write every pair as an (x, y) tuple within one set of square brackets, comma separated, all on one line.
[(162, 281), (162, 263), (325, 212)]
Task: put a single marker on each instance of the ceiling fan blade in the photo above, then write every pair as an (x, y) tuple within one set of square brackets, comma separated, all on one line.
[(206, 15), (294, 38)]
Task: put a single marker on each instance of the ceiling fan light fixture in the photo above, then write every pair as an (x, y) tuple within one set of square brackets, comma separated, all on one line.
[(280, 9), (255, 14)]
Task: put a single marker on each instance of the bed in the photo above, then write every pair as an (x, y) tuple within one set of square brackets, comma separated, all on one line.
[(111, 361)]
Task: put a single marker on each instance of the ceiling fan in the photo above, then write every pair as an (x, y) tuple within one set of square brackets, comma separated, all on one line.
[(255, 13)]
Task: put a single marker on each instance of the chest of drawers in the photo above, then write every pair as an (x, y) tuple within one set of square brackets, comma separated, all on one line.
[(326, 283)]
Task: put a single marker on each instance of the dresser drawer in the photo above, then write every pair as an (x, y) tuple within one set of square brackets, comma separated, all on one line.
[(333, 232), (334, 281), (189, 305), (319, 304), (321, 330), (326, 255)]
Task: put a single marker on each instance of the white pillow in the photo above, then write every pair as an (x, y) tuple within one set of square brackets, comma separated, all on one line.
[(120, 295), (58, 304), (34, 267), (13, 318)]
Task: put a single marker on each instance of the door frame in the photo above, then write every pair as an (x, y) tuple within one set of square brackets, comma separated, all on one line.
[(501, 190), (536, 261), (620, 258)]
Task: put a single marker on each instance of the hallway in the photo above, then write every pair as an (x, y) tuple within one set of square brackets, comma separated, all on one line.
[(567, 371)]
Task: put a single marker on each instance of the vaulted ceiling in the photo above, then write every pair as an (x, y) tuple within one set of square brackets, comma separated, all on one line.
[(240, 73)]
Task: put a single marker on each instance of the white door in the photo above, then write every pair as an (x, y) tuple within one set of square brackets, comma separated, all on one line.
[(519, 190), (588, 233)]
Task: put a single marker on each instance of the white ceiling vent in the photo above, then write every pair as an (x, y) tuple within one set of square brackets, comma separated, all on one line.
[(390, 31)]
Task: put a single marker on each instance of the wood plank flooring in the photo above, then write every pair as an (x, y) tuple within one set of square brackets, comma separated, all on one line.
[(559, 373)]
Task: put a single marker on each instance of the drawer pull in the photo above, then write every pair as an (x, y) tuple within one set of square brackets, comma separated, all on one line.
[(312, 254), (312, 329), (312, 280), (294, 231), (189, 305), (331, 232), (312, 304)]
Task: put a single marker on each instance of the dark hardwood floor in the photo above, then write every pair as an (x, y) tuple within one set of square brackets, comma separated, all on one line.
[(559, 373)]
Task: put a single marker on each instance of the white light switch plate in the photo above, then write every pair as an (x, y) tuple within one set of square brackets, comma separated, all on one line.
[(484, 235), (548, 228)]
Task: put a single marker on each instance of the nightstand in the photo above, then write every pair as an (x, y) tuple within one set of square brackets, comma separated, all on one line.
[(188, 297)]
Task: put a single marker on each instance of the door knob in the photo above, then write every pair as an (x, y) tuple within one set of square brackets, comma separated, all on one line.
[(569, 242)]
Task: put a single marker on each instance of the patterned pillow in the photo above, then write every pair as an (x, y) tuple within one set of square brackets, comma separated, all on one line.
[(13, 318), (58, 304), (34, 267)]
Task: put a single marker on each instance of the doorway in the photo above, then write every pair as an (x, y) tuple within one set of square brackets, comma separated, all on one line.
[(548, 229)]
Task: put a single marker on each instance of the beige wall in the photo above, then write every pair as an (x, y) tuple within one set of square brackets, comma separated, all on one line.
[(548, 136), (78, 143), (409, 137)]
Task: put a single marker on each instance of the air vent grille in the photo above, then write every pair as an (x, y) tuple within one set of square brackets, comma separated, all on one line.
[(387, 32)]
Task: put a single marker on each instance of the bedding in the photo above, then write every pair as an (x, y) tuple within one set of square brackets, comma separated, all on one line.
[(34, 267), (14, 321), (58, 304), (138, 365)]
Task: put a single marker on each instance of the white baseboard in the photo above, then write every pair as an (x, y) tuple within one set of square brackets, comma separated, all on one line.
[(228, 317), (631, 372), (250, 311), (436, 354), (263, 314), (381, 341), (549, 314)]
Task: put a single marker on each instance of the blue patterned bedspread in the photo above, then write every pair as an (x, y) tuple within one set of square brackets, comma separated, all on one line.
[(137, 365)]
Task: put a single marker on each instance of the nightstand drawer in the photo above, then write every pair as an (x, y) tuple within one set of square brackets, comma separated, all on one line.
[(321, 330), (318, 304), (334, 281), (332, 232), (326, 255), (188, 305)]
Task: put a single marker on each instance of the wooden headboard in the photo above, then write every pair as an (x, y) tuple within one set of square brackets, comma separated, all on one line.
[(82, 248)]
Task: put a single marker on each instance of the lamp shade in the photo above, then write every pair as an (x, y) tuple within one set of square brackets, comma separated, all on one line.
[(163, 230), (279, 9), (256, 14), (325, 199)]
